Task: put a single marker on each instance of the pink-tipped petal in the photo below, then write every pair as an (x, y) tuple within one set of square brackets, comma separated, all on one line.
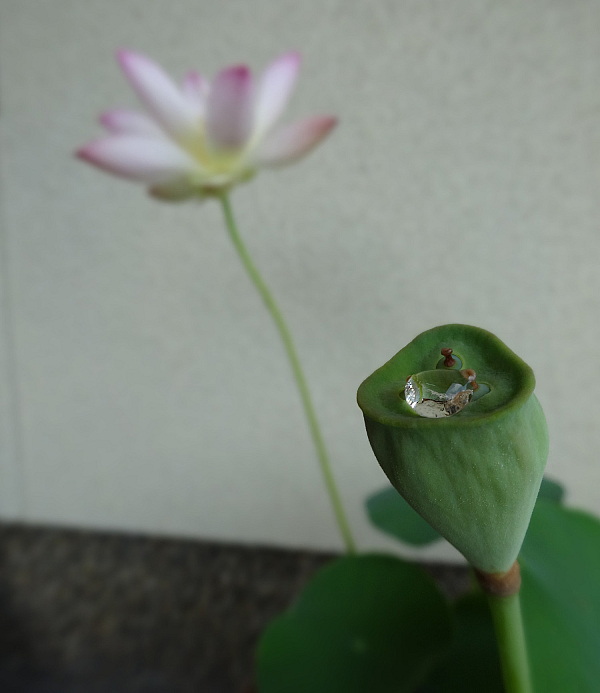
[(120, 121), (159, 94), (291, 142), (229, 108), (195, 88), (275, 88), (148, 160)]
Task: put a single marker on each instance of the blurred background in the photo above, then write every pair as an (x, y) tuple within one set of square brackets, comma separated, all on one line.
[(144, 388)]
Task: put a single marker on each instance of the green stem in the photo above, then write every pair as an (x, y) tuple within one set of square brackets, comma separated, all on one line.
[(298, 374), (508, 624)]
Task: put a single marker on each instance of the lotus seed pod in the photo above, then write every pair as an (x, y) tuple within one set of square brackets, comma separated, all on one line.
[(473, 473)]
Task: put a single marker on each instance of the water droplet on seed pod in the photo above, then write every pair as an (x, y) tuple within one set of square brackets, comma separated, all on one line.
[(440, 393)]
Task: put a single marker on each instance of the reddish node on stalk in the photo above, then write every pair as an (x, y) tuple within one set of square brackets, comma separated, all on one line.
[(501, 584)]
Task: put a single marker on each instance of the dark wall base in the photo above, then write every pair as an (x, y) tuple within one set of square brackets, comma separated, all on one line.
[(98, 613)]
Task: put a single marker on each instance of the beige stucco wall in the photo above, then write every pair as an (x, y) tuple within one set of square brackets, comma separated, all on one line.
[(142, 384)]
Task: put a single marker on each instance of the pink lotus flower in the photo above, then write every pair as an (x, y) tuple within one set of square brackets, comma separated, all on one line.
[(202, 138)]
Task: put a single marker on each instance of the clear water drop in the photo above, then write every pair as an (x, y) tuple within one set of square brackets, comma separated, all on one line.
[(439, 393)]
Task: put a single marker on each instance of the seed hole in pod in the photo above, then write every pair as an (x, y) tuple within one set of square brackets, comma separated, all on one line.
[(482, 390), (449, 360)]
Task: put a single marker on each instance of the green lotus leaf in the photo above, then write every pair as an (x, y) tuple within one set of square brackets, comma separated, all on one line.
[(473, 476), (369, 623), (390, 513), (551, 490)]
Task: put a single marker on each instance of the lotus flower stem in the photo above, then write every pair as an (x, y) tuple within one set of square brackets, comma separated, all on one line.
[(502, 592), (297, 371)]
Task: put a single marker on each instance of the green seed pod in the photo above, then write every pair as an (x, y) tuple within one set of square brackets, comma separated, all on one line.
[(473, 475)]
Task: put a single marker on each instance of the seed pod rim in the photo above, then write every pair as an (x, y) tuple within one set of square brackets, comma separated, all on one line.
[(508, 368)]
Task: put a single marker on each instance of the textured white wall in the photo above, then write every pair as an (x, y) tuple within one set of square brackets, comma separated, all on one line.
[(143, 385)]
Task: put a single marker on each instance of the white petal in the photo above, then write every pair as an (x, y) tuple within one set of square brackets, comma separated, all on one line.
[(229, 108), (195, 88), (291, 142), (145, 159), (120, 121), (159, 94), (274, 91)]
